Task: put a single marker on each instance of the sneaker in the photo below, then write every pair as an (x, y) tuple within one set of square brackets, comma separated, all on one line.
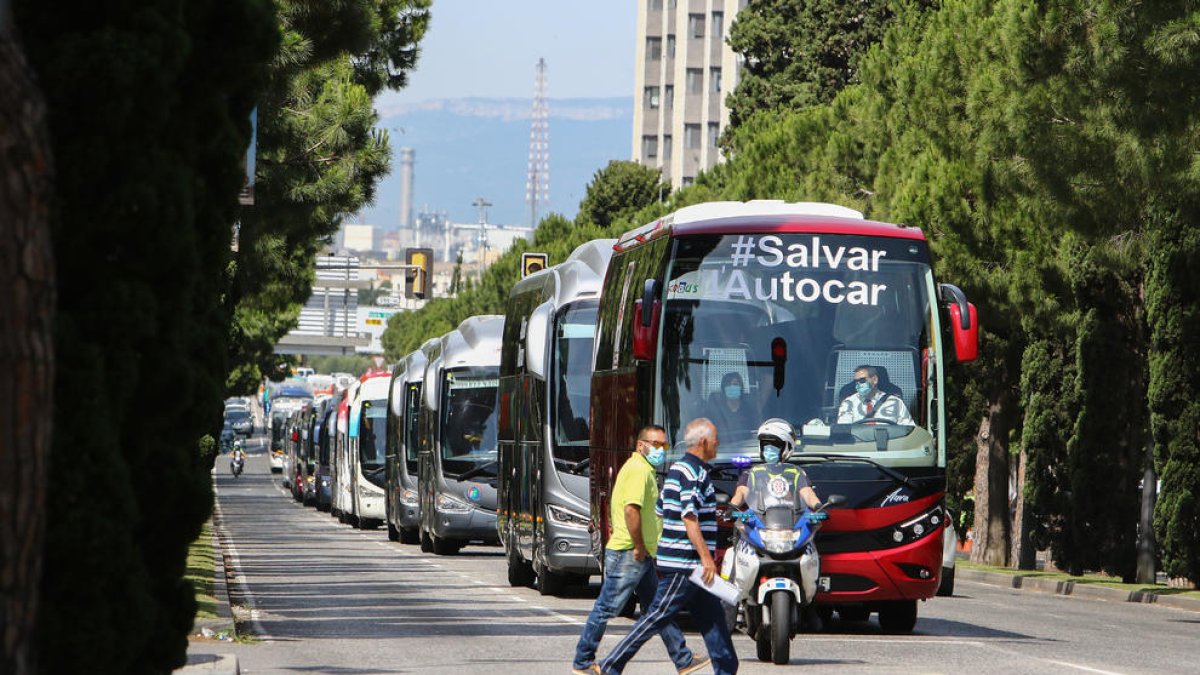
[(696, 664), (593, 669)]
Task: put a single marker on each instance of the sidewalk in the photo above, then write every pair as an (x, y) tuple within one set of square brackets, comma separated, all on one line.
[(1071, 588)]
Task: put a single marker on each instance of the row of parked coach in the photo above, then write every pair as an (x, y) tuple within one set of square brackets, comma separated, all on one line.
[(509, 430), (419, 449)]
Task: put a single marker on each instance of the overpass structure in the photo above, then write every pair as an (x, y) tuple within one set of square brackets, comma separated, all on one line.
[(329, 319)]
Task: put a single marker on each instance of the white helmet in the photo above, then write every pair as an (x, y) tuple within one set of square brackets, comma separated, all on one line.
[(779, 433)]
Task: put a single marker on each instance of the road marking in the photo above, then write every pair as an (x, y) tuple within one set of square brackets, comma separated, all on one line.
[(1085, 669)]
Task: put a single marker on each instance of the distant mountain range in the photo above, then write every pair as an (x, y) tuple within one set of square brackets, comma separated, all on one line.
[(472, 147)]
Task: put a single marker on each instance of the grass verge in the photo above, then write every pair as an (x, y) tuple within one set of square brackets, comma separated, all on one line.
[(1087, 579), (201, 564)]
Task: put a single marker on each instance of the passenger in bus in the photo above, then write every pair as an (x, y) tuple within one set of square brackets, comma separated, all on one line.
[(731, 408), (870, 403)]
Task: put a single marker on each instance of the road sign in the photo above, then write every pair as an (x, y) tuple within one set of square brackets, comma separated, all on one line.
[(533, 262)]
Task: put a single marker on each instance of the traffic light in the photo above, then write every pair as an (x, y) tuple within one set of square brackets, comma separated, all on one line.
[(533, 262), (418, 277)]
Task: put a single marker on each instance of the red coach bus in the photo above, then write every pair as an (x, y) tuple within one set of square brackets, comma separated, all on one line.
[(739, 312)]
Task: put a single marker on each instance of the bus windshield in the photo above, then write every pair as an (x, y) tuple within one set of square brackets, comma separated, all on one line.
[(836, 334), (574, 335), (372, 434), (469, 421), (412, 409)]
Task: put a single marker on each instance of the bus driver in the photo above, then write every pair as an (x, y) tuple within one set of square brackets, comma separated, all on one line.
[(869, 404)]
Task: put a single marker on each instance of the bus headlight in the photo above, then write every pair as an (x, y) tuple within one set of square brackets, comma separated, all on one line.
[(409, 497), (448, 504), (564, 517), (922, 526)]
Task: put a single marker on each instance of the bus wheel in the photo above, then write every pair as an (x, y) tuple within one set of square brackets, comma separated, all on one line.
[(445, 546), (426, 542), (946, 587), (854, 613), (393, 533), (898, 617), (520, 572)]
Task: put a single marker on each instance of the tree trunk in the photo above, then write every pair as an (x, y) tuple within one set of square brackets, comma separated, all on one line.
[(26, 350), (992, 522), (1023, 553), (1147, 547)]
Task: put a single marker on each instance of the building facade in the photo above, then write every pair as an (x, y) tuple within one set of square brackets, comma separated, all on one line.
[(684, 71)]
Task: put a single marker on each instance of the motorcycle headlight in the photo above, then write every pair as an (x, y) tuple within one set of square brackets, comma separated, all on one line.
[(448, 504), (778, 541), (564, 517), (409, 498)]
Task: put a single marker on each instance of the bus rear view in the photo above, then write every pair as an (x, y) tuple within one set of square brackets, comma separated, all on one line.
[(740, 312)]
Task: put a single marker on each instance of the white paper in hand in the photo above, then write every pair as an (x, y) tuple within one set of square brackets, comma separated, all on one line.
[(727, 592)]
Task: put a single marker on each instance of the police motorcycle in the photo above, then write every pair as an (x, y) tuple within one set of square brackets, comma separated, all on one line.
[(237, 461), (773, 562)]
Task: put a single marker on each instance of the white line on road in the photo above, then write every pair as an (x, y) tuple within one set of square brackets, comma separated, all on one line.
[(1085, 669)]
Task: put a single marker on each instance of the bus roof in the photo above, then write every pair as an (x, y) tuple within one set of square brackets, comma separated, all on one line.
[(765, 216)]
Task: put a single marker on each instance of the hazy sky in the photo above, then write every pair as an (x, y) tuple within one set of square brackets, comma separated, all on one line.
[(489, 48)]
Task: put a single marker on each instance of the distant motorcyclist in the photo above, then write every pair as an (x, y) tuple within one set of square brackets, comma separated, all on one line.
[(237, 458)]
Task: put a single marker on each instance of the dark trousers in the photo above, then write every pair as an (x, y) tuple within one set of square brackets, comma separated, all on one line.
[(676, 593)]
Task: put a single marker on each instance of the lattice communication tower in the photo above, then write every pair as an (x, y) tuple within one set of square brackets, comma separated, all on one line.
[(537, 185)]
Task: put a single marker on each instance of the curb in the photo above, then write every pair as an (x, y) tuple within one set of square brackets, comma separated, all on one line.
[(205, 663), (1069, 587)]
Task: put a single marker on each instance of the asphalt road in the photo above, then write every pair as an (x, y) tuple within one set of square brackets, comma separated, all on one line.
[(321, 597)]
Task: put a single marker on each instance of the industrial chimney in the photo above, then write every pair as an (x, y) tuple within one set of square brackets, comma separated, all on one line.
[(406, 188)]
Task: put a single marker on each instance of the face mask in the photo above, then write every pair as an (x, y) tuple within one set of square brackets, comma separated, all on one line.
[(656, 456), (733, 391), (863, 388), (770, 454)]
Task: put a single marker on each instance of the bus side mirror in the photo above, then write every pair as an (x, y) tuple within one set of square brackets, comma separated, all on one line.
[(966, 340), (646, 313), (963, 322), (537, 330)]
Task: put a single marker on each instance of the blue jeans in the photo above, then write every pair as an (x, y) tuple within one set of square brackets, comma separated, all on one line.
[(622, 576), (675, 593)]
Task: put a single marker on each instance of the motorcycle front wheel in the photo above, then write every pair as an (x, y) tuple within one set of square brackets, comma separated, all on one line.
[(782, 604)]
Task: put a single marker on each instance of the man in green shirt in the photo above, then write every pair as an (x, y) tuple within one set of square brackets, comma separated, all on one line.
[(629, 555)]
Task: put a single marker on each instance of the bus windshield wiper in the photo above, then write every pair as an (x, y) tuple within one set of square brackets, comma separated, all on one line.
[(481, 469), (832, 457), (572, 467)]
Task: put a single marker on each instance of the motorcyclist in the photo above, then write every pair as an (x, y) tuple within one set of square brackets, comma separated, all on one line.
[(237, 457), (776, 441), (783, 482)]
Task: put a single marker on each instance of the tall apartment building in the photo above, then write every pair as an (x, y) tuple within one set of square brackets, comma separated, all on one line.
[(684, 72)]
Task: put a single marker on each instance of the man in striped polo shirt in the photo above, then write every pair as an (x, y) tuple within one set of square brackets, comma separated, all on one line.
[(688, 507)]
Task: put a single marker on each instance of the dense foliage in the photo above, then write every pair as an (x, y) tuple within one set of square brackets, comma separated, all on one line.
[(149, 107), (319, 158), (800, 53)]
